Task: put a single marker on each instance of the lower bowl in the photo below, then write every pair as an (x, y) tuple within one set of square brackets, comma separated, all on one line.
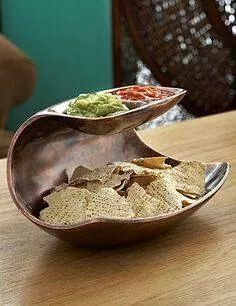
[(43, 153)]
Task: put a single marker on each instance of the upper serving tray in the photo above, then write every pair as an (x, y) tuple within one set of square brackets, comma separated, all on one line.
[(115, 123)]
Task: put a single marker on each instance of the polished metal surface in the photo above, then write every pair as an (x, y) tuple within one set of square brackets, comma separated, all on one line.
[(46, 149)]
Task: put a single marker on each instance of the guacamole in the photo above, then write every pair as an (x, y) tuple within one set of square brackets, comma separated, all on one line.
[(96, 105)]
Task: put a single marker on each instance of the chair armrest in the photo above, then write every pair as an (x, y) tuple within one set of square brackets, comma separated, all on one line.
[(17, 78)]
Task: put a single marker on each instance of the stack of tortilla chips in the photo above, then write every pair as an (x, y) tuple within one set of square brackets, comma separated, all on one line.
[(145, 187)]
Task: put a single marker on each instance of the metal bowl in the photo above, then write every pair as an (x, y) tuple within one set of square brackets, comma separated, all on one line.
[(119, 122), (46, 149)]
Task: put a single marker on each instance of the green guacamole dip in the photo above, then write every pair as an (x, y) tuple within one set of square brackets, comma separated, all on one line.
[(96, 105)]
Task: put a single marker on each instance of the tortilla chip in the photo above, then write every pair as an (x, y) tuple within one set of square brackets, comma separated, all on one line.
[(93, 186), (115, 181), (139, 170), (190, 177), (145, 205), (101, 174), (152, 162), (67, 206), (123, 186), (143, 179), (144, 188), (189, 195), (80, 172), (164, 191), (107, 203)]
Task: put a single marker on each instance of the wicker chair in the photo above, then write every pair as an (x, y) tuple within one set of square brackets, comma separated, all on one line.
[(183, 43), (17, 80)]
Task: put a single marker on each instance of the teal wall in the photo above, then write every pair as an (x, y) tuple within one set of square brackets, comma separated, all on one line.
[(70, 43)]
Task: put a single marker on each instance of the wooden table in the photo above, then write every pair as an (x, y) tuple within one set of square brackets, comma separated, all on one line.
[(194, 264)]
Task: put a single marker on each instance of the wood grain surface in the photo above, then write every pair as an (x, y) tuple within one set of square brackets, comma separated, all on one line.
[(193, 264)]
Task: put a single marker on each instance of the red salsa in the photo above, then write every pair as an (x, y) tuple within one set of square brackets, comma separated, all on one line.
[(142, 93)]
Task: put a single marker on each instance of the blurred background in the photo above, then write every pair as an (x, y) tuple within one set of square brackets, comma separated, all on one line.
[(54, 50)]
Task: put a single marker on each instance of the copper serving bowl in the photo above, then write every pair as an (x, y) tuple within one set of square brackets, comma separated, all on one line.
[(46, 149), (116, 123)]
